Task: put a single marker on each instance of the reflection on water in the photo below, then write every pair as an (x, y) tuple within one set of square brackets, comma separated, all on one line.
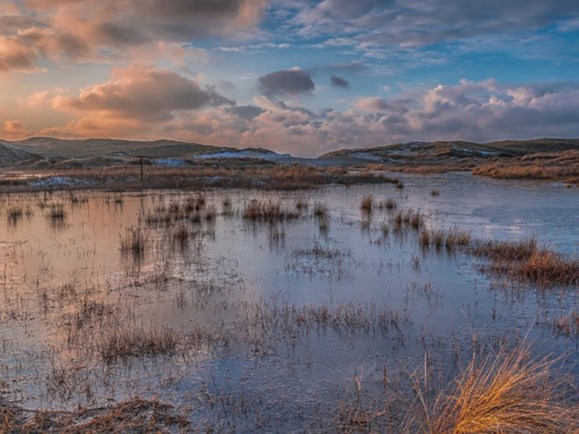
[(213, 311)]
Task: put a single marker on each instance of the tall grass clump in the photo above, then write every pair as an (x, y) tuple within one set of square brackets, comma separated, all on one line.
[(525, 261), (544, 268), (408, 219), (509, 392), (14, 215), (506, 250), (121, 346), (450, 239), (134, 241), (321, 210), (267, 212), (367, 204)]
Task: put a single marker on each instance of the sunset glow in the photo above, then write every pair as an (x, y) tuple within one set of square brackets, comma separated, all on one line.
[(304, 77)]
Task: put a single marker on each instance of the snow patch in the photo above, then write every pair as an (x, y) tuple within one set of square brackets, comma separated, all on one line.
[(170, 162), (242, 154), (61, 181)]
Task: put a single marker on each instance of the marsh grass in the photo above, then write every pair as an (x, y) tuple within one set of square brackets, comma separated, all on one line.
[(267, 211), (388, 205), (566, 325), (449, 239), (321, 210), (507, 392), (367, 204), (56, 212), (135, 241), (121, 345), (14, 215), (408, 219), (524, 261), (500, 251)]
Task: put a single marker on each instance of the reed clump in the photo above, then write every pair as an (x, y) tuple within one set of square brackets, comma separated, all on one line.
[(388, 204), (566, 325), (506, 250), (321, 210), (544, 268), (509, 392), (122, 345), (134, 240), (449, 239), (267, 211), (367, 204), (524, 261), (408, 219)]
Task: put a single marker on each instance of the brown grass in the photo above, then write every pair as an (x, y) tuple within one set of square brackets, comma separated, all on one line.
[(204, 174), (408, 219), (566, 325), (134, 241), (544, 268), (133, 416), (269, 211), (121, 345), (505, 393), (367, 204), (525, 261), (500, 251), (562, 166), (450, 239)]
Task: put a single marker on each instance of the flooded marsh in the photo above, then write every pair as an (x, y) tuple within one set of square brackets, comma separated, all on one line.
[(286, 311)]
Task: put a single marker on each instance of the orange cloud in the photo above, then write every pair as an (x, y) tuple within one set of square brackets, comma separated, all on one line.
[(58, 30), (14, 130)]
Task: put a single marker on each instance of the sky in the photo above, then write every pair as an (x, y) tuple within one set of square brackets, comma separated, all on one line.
[(303, 77)]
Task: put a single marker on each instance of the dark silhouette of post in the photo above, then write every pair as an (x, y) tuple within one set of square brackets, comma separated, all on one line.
[(142, 164)]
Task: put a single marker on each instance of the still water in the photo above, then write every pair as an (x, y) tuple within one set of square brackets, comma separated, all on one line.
[(279, 324)]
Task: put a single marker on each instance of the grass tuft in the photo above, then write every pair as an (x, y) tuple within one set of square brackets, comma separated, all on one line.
[(506, 393)]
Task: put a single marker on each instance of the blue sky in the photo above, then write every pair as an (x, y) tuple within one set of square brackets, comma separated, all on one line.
[(301, 76)]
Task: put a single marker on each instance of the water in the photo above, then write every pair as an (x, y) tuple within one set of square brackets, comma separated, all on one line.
[(266, 360)]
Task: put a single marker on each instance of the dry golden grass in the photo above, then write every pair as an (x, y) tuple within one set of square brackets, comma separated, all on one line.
[(525, 261), (269, 211), (501, 251), (562, 166), (543, 268), (506, 393), (229, 174)]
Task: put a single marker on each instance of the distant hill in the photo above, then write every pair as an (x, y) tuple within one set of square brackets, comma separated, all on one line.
[(431, 152), (51, 148), (10, 155), (46, 152)]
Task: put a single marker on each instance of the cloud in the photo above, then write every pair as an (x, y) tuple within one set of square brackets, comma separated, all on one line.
[(378, 105), (378, 23), (146, 94), (136, 100), (287, 82), (85, 30), (14, 130), (148, 103), (478, 111), (340, 82), (15, 56)]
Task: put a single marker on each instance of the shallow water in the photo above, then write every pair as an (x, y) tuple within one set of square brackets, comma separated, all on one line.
[(268, 365)]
